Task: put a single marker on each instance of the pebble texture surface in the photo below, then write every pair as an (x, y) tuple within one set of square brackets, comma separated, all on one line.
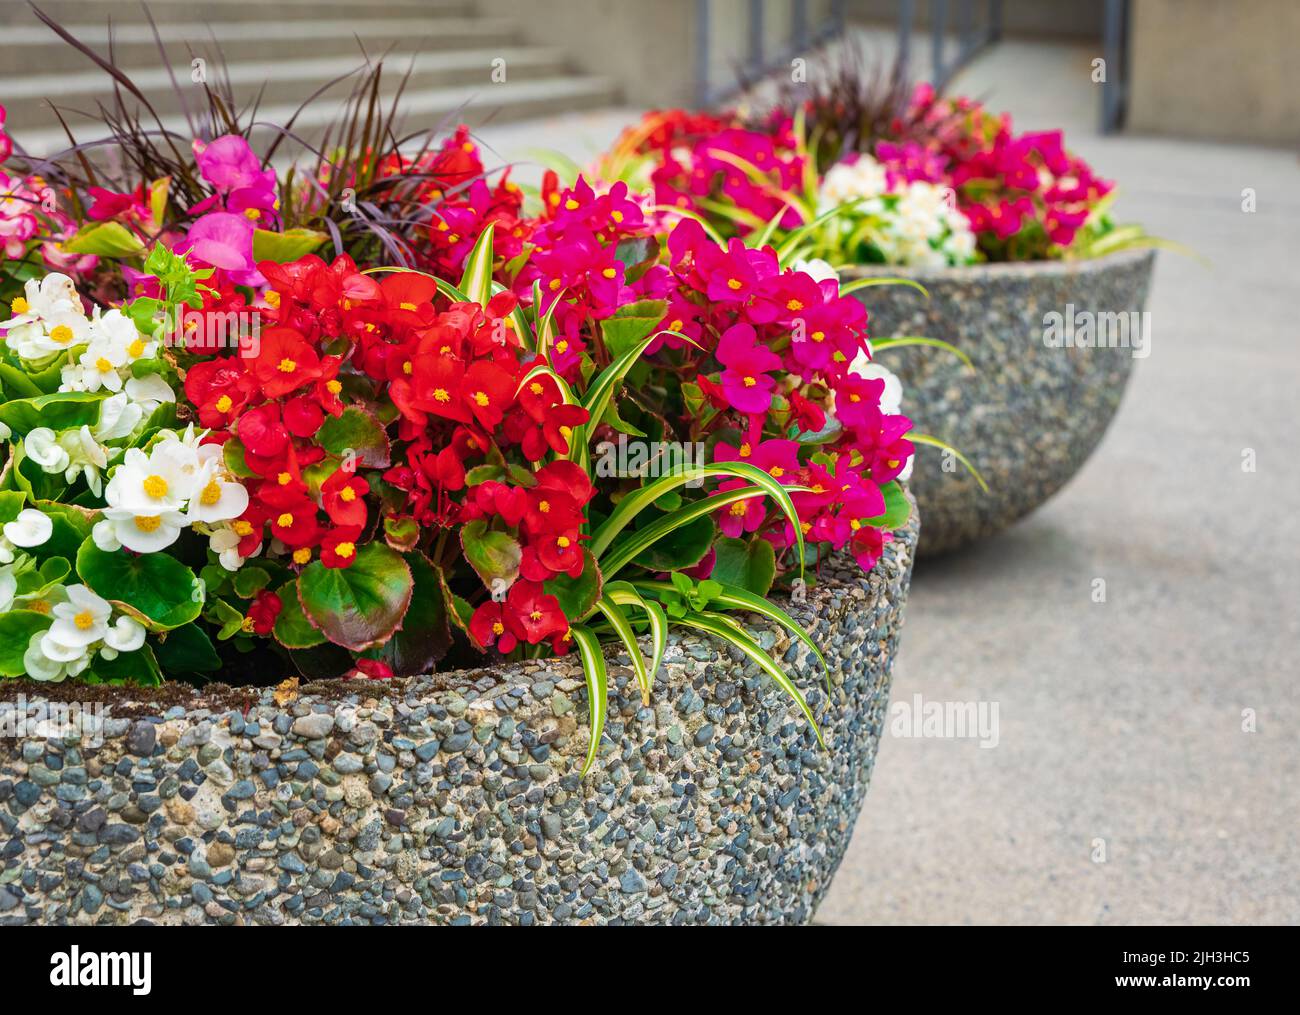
[(1030, 414), (456, 799)]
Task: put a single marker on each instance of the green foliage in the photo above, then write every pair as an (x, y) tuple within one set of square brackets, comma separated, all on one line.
[(360, 605), (157, 589)]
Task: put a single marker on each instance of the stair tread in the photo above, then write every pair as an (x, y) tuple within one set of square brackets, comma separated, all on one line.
[(317, 69), (414, 103), (281, 28)]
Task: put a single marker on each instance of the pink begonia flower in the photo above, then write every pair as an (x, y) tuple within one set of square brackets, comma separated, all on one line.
[(225, 241), (745, 381), (228, 163)]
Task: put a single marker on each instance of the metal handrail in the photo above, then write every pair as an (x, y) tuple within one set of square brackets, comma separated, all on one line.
[(757, 62)]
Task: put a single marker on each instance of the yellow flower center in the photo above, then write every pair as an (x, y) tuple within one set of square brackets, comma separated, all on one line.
[(676, 325), (571, 205), (242, 528), (498, 627), (334, 387), (284, 479), (19, 305), (553, 284), (285, 520), (210, 493), (84, 620), (155, 486), (246, 625), (738, 508), (39, 606), (794, 305), (777, 472), (61, 333), (406, 306), (480, 399), (441, 395), (563, 542), (855, 398), (344, 549), (136, 349), (562, 346), (854, 524), (407, 367), (734, 284), (348, 494), (103, 365), (302, 555), (544, 507), (610, 273), (617, 216), (252, 214), (224, 403), (272, 298), (535, 615), (286, 366), (746, 450), (147, 523), (750, 382), (818, 336), (536, 388)]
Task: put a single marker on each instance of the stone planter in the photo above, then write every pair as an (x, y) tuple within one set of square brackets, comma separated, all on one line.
[(1032, 413), (456, 798)]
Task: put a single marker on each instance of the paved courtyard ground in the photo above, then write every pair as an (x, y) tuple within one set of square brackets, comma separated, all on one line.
[(1119, 721)]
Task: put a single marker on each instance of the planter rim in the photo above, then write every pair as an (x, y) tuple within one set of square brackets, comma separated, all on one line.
[(1003, 269), (218, 697)]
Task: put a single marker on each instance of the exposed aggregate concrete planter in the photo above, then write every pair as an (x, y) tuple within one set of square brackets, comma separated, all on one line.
[(1031, 414), (456, 798)]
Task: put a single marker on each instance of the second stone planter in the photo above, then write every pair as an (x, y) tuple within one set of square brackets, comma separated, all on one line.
[(1052, 343)]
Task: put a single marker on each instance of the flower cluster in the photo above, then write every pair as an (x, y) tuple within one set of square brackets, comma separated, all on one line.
[(1026, 196), (78, 629), (241, 457), (891, 219), (943, 182), (699, 161)]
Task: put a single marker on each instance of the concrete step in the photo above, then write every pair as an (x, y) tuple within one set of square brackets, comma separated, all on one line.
[(18, 12), (430, 108), (36, 49), (28, 98)]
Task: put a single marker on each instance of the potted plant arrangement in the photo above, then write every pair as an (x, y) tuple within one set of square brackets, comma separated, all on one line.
[(383, 545), (989, 260)]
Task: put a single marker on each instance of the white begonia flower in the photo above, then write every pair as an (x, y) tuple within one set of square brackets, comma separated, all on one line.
[(150, 484), (100, 365), (146, 532), (104, 533), (863, 181), (217, 496), (118, 417), (118, 331), (42, 446), (149, 392), (85, 455), (8, 588), (819, 270), (57, 333), (40, 666), (30, 528), (126, 635), (224, 542), (54, 294), (78, 623)]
